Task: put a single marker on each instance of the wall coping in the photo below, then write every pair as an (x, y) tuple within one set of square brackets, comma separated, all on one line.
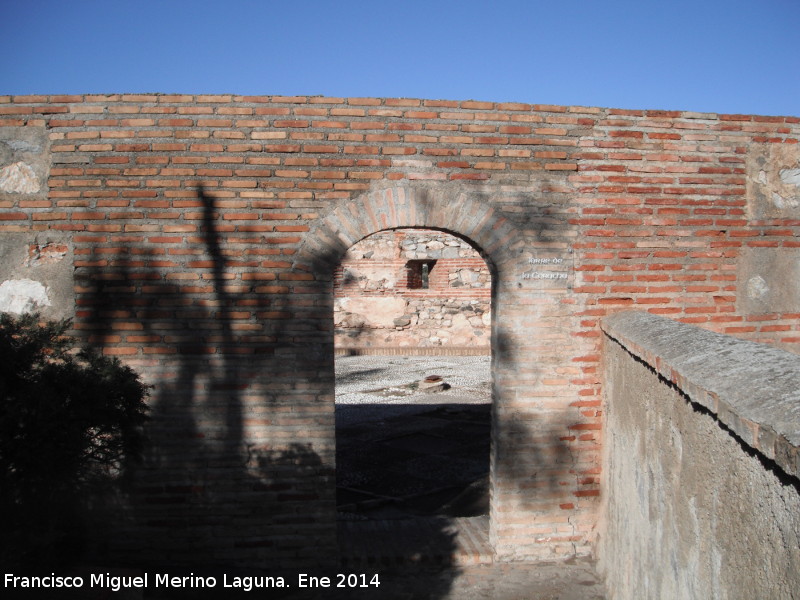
[(753, 389), (156, 98)]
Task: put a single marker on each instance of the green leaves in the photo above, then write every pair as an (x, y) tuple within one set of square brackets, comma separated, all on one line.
[(70, 424)]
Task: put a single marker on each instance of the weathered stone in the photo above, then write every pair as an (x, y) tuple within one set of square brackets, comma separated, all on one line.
[(790, 177), (450, 252), (24, 160), (375, 267), (24, 146), (47, 263), (773, 181), (691, 511), (771, 280), (18, 178), (20, 296), (378, 311)]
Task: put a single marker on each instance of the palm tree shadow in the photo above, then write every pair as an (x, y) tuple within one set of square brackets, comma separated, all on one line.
[(233, 477)]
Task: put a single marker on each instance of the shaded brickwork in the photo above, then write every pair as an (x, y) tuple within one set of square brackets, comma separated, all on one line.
[(410, 289), (205, 232)]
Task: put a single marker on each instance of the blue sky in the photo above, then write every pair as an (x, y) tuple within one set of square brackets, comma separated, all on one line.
[(731, 56)]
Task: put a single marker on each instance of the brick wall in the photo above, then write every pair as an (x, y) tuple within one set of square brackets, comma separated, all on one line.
[(203, 233)]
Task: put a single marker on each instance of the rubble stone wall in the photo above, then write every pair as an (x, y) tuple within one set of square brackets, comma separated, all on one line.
[(200, 235), (381, 302)]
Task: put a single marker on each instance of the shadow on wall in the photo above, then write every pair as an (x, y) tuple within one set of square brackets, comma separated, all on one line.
[(239, 466), (534, 454), (203, 478)]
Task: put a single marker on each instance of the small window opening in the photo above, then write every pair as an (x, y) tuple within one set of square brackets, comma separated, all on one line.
[(419, 272)]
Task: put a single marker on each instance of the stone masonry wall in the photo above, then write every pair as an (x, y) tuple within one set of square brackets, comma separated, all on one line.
[(381, 303), (701, 479), (201, 235)]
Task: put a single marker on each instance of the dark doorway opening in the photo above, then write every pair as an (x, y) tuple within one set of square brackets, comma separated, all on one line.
[(413, 394), (407, 448)]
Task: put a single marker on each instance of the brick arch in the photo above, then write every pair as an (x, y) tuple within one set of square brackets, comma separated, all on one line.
[(470, 216), (464, 214), (533, 472)]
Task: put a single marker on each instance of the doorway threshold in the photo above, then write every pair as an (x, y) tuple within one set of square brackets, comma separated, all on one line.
[(435, 541)]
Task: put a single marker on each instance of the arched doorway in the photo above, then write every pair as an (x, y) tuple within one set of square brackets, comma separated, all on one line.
[(412, 330), (531, 464)]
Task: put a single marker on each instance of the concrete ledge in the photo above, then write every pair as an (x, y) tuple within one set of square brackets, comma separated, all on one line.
[(753, 389)]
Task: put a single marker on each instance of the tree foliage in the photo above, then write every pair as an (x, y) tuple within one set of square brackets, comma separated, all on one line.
[(70, 424)]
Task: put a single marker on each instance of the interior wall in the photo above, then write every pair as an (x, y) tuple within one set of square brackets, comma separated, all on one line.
[(382, 303)]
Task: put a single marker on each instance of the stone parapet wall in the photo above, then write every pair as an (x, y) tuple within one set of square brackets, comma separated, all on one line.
[(702, 478)]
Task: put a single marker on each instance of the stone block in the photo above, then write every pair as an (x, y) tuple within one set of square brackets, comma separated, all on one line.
[(773, 181), (769, 281), (24, 161), (36, 275)]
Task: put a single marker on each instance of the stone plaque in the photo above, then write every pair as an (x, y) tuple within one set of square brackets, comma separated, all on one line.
[(548, 269)]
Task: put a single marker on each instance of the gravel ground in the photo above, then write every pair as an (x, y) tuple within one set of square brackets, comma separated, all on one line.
[(358, 376), (382, 386)]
